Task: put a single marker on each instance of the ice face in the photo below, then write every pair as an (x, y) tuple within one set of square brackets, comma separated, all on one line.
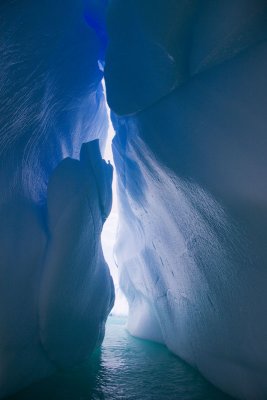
[(191, 165), (76, 292), (186, 81), (55, 289), (51, 95), (150, 58)]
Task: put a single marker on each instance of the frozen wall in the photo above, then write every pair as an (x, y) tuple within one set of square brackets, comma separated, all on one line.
[(55, 287), (187, 83)]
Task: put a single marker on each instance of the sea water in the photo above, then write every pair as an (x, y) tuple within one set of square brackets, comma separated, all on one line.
[(126, 368)]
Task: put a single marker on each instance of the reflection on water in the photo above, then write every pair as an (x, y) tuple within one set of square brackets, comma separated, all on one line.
[(126, 368)]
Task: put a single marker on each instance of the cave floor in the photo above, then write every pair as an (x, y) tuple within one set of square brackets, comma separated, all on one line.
[(125, 368)]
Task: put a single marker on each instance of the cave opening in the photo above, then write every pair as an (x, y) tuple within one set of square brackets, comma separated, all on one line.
[(109, 232)]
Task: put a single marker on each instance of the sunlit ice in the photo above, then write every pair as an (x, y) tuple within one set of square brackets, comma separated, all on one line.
[(109, 232)]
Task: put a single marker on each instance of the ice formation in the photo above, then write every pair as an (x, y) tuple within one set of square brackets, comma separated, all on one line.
[(55, 288), (186, 82)]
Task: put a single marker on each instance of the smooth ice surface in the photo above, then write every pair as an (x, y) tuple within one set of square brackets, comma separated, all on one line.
[(76, 291), (55, 290), (191, 164), (150, 58)]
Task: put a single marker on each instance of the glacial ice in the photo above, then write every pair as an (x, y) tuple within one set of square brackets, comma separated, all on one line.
[(191, 163), (186, 82), (55, 288), (75, 277)]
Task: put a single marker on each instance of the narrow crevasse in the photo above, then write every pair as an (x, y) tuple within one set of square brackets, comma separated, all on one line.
[(110, 229), (186, 83)]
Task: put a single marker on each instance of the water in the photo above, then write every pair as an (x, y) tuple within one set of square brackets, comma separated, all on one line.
[(126, 368)]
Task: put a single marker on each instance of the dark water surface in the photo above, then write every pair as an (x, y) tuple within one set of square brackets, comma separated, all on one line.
[(126, 368)]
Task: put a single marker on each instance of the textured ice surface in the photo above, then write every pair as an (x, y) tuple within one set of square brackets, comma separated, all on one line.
[(51, 96), (55, 288), (192, 172), (188, 79)]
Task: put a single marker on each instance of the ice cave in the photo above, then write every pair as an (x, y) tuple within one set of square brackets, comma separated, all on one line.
[(175, 208)]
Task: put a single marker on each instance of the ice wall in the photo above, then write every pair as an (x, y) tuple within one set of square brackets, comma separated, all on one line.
[(187, 82), (55, 287)]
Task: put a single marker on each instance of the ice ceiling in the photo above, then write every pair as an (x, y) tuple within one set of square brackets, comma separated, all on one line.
[(186, 83)]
